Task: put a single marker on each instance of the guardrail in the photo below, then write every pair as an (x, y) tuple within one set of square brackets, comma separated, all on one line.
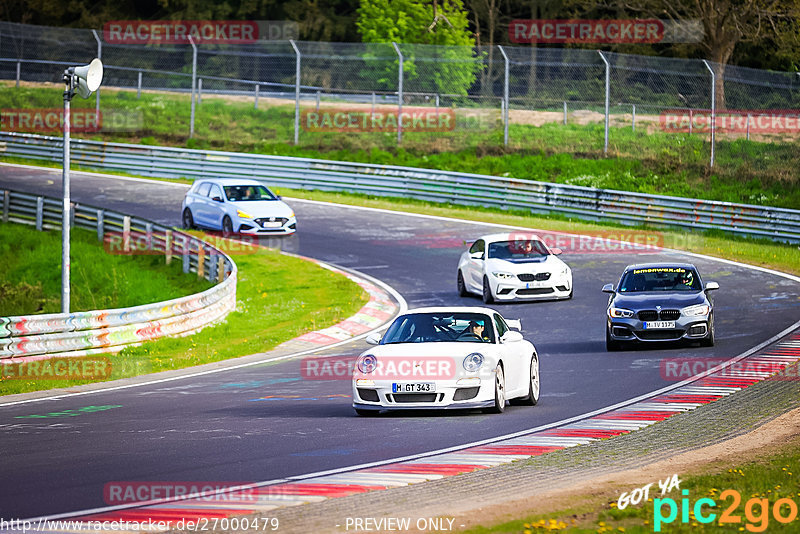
[(92, 332), (439, 186)]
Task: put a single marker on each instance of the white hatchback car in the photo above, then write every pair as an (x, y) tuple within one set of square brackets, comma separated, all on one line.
[(513, 266), (231, 205), (446, 357)]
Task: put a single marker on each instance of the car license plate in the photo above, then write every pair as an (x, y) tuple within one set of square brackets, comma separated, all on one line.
[(276, 224), (659, 324), (413, 387), (533, 285)]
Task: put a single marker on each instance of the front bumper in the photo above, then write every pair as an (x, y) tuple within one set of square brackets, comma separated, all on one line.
[(251, 227), (632, 329), (557, 287), (448, 395)]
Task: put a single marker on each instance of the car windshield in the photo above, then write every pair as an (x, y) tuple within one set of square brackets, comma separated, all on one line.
[(660, 279), (518, 251), (241, 193), (435, 327)]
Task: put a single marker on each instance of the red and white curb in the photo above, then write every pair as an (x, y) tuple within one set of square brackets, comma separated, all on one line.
[(708, 387)]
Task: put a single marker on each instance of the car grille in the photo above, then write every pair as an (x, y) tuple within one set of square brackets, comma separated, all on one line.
[(263, 220), (535, 291), (656, 335), (653, 315), (465, 393), (415, 397), (538, 277), (368, 395)]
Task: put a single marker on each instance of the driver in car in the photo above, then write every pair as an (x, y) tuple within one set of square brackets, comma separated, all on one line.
[(476, 328)]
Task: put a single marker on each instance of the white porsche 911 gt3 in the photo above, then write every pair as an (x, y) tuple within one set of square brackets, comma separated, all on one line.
[(513, 266), (446, 357)]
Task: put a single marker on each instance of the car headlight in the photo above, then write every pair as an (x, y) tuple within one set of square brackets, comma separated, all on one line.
[(619, 312), (473, 362), (694, 311), (243, 214), (367, 363), (503, 276)]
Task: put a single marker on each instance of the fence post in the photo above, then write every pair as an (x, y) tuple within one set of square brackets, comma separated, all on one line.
[(101, 224), (39, 212), (97, 92), (126, 233), (633, 115), (194, 84), (296, 91), (317, 100), (199, 91), (255, 103), (399, 94), (505, 97), (565, 112), (6, 205), (713, 110), (608, 77), (19, 64), (168, 246), (748, 126), (201, 260), (372, 111), (148, 237), (691, 120), (185, 251), (139, 87)]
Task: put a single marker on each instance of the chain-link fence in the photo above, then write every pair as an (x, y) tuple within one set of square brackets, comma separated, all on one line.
[(363, 95)]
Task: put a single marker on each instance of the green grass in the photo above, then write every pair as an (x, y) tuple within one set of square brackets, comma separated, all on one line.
[(278, 298), (770, 478), (30, 274), (650, 162)]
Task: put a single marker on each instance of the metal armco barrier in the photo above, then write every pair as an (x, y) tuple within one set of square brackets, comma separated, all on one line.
[(92, 332), (439, 186)]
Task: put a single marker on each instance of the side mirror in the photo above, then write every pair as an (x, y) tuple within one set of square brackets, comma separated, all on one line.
[(373, 339), (511, 336), (710, 286), (608, 288), (217, 199), (476, 255), (556, 251)]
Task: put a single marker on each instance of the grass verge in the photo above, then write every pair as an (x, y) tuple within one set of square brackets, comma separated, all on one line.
[(278, 298), (657, 162), (758, 484), (30, 274)]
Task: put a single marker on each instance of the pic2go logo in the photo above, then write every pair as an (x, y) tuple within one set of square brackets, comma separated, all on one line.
[(756, 511)]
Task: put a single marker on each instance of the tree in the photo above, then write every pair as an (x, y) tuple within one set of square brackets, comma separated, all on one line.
[(454, 66), (726, 24)]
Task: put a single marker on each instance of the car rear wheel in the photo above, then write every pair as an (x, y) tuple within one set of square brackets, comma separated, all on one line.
[(612, 345), (533, 385), (188, 220), (708, 341), (227, 226), (488, 298), (462, 287), (499, 391)]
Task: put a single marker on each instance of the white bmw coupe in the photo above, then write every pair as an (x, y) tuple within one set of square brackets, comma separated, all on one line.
[(446, 357), (513, 266)]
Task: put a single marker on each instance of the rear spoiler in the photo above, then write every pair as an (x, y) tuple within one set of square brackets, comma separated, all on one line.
[(516, 324)]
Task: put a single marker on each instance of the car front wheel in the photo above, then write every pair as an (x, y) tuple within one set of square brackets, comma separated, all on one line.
[(227, 226), (462, 287), (708, 341), (499, 391), (188, 220), (488, 298)]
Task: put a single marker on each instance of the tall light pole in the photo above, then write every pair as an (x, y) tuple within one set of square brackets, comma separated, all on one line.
[(83, 81)]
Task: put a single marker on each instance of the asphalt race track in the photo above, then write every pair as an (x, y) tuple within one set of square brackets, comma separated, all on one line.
[(267, 422)]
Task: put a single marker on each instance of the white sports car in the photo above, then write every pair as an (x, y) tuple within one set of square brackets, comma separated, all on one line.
[(446, 357), (513, 266)]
